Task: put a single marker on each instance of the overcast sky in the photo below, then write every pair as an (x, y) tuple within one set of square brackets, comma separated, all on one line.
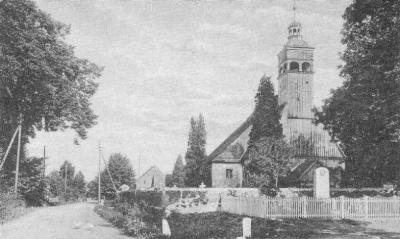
[(166, 61)]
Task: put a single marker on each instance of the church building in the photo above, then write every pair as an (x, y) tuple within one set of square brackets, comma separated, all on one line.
[(295, 89)]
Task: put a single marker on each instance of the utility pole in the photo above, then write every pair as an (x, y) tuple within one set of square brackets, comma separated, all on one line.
[(44, 161), (139, 165), (18, 156), (65, 179), (99, 189)]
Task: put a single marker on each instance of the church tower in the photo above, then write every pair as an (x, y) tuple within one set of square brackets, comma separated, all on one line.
[(295, 84)]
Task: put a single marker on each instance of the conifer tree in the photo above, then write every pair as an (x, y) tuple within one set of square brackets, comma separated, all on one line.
[(178, 174), (267, 112), (197, 171), (266, 128)]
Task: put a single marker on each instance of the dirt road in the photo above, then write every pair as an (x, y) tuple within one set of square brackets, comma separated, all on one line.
[(67, 221)]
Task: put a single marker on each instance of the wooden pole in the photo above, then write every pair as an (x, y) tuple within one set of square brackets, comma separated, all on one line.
[(65, 180), (18, 156), (9, 147), (99, 188), (44, 161)]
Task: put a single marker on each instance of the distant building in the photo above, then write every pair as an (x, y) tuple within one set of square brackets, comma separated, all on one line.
[(152, 178), (295, 90)]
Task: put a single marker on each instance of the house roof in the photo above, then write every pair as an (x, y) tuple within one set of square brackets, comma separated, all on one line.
[(222, 148), (152, 168)]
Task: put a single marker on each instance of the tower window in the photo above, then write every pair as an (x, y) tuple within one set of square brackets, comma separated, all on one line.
[(229, 173), (306, 66), (294, 66)]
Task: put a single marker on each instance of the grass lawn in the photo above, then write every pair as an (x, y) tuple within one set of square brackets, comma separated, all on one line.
[(224, 225)]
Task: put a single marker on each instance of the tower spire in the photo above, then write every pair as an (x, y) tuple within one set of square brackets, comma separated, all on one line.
[(294, 10)]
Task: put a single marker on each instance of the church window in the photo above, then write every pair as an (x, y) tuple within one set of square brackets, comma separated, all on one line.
[(306, 66), (294, 66), (229, 173)]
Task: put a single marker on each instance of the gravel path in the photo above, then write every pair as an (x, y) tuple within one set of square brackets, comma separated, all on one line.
[(67, 221)]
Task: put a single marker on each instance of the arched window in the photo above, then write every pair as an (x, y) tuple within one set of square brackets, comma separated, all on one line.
[(294, 66), (306, 66)]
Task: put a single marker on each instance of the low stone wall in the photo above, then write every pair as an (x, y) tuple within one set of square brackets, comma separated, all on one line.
[(196, 200)]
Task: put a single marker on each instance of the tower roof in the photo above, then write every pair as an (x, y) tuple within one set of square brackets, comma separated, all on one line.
[(295, 37), (294, 24)]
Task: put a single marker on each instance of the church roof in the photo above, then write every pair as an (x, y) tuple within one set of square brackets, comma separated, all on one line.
[(222, 148), (321, 145)]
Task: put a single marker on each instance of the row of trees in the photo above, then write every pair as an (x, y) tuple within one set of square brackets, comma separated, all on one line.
[(196, 171), (66, 183)]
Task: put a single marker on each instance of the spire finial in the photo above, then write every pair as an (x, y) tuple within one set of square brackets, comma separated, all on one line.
[(294, 10)]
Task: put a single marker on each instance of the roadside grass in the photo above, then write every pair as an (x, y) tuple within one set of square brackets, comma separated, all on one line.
[(224, 225), (219, 225), (11, 207), (129, 220)]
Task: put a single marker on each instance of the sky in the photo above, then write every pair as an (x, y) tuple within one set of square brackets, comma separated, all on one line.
[(166, 61)]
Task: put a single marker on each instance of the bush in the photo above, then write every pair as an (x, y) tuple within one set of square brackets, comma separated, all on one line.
[(10, 207), (129, 219)]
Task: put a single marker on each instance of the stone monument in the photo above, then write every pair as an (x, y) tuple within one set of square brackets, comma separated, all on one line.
[(246, 227), (321, 183)]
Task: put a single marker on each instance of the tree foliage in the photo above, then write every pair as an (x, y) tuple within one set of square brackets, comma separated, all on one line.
[(363, 114), (266, 129), (48, 85), (31, 184), (75, 187), (55, 183), (267, 113), (121, 171), (270, 156), (197, 171), (178, 174)]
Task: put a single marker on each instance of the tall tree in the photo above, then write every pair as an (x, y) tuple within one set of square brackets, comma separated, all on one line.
[(67, 170), (55, 183), (78, 186), (197, 170), (267, 113), (121, 172), (49, 88), (363, 114), (266, 129), (178, 174)]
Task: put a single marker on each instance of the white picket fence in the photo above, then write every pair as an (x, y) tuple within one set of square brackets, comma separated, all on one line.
[(365, 208)]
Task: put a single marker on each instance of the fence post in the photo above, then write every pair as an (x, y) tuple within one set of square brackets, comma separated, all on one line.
[(342, 207), (304, 204), (366, 206)]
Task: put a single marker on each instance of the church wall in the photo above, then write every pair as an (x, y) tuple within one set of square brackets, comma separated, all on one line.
[(295, 89), (219, 179)]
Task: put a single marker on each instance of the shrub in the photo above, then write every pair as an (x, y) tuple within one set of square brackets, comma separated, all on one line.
[(129, 219), (10, 207)]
